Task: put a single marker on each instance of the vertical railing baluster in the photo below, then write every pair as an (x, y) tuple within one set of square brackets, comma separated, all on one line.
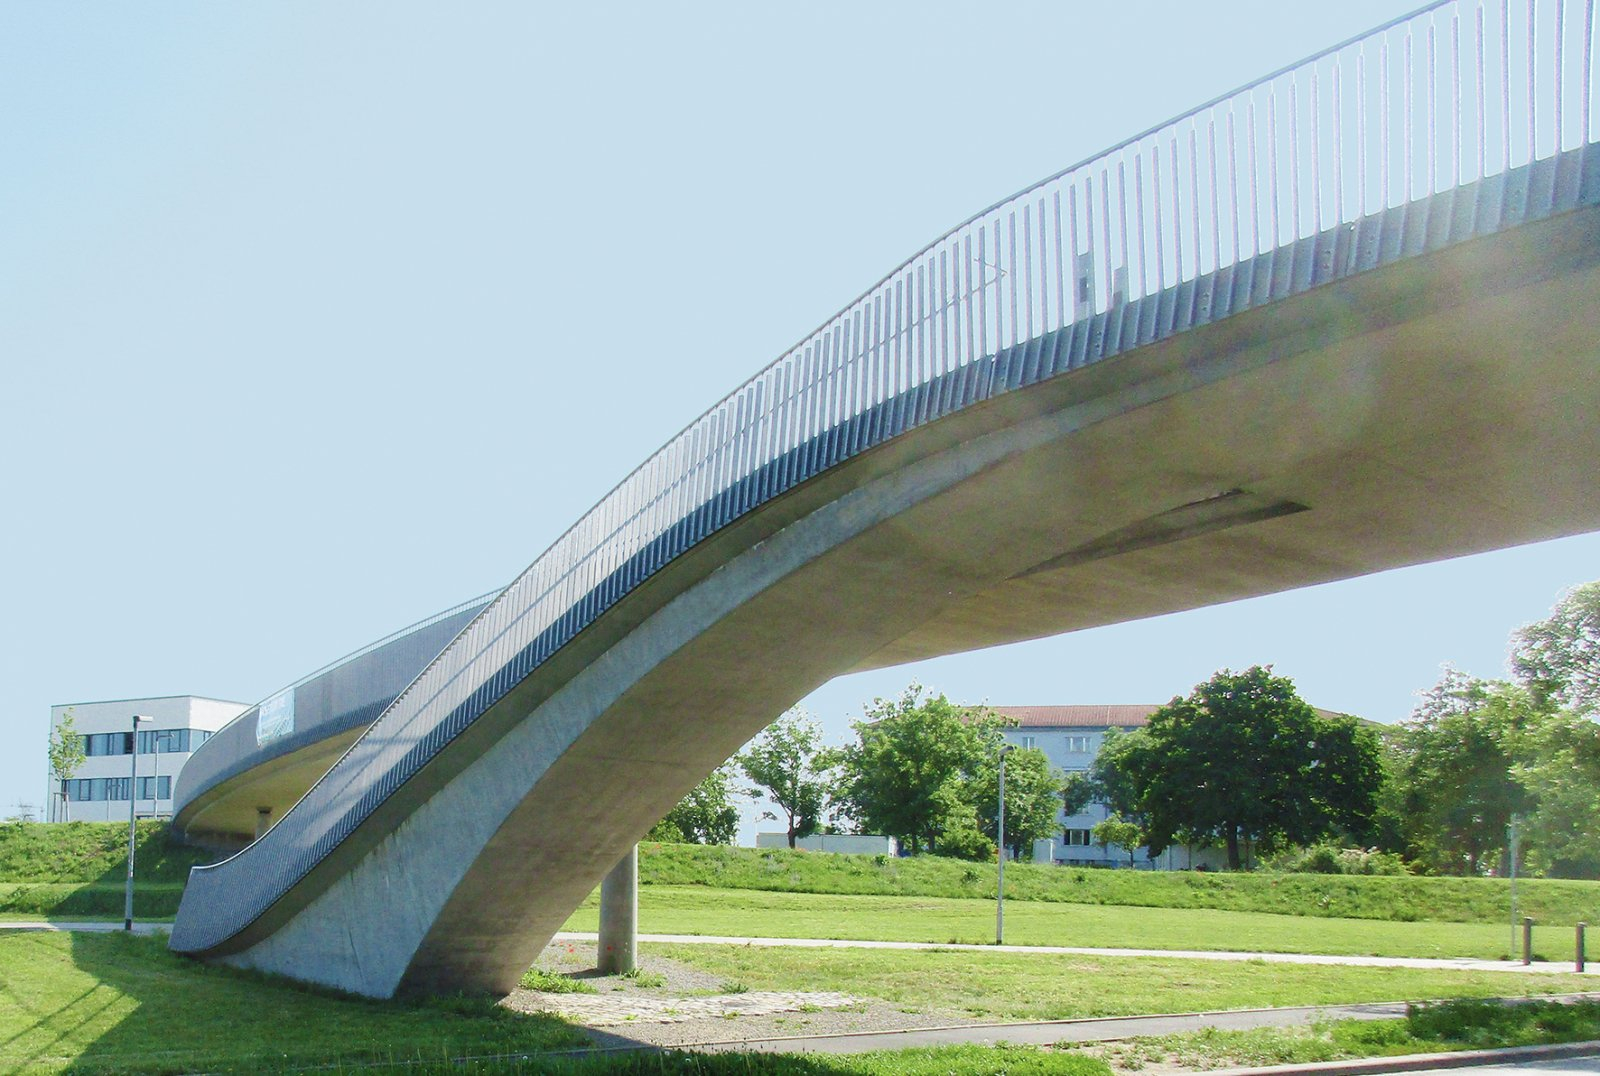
[(1294, 157), (1455, 98), (1361, 132), (1385, 145), (1122, 217), (966, 247), (1272, 161), (1338, 146), (1138, 193), (1233, 182), (1316, 154), (1254, 172), (1155, 202), (1177, 216), (1410, 188), (1588, 72), (1482, 102), (1044, 272), (1433, 112), (1505, 86), (1216, 209), (1078, 310), (1011, 270), (1533, 109), (1561, 26), (1062, 314)]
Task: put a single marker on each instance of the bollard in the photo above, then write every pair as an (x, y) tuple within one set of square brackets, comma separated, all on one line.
[(1527, 940), (1577, 963)]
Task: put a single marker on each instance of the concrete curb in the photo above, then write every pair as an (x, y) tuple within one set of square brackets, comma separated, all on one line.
[(1421, 1062)]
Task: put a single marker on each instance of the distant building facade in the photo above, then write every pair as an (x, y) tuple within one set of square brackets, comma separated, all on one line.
[(1071, 737), (860, 844), (99, 791)]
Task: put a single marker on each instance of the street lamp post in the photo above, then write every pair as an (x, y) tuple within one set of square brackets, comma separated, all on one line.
[(1000, 839), (133, 802)]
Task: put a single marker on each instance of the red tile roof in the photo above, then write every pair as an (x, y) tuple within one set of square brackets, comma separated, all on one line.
[(1113, 715), (1117, 715)]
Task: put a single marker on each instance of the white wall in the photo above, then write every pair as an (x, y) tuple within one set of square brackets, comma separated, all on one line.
[(116, 716)]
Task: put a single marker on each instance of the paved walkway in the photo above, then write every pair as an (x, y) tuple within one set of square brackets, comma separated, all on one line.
[(1435, 963), (85, 926)]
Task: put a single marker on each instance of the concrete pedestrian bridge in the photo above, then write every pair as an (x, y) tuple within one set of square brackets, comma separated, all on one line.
[(1338, 321)]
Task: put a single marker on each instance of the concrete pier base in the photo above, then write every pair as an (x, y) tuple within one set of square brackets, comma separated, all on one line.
[(619, 916)]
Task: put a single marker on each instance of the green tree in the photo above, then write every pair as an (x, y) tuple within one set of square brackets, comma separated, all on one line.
[(1111, 775), (1115, 830), (1458, 750), (706, 815), (1078, 790), (1244, 758), (1033, 796), (1558, 764), (912, 773), (787, 762), (66, 755), (1558, 658)]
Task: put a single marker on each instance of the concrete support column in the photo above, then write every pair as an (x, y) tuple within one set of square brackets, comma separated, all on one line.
[(619, 916), (263, 820)]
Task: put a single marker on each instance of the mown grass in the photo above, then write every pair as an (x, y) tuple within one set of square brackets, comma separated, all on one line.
[(1429, 1028), (115, 1003), (91, 900), (1396, 898), (935, 1061), (1029, 986), (69, 855), (92, 852), (751, 913)]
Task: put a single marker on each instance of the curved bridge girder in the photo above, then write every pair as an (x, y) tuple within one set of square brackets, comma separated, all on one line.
[(1400, 434)]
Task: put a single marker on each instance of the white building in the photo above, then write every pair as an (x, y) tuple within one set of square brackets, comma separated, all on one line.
[(98, 791), (1070, 737)]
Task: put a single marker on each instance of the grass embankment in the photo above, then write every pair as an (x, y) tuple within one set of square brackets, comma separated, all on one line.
[(940, 920), (1402, 898), (78, 869), (115, 1003), (1032, 986)]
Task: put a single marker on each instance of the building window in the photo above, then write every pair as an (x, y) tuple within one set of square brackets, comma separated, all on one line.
[(1078, 744), (1080, 838), (92, 789), (1029, 741), (151, 742)]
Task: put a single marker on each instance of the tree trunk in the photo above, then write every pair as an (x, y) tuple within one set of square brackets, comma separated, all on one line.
[(1233, 847), (66, 804), (791, 833)]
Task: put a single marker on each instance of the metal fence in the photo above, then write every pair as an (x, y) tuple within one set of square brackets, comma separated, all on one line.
[(1458, 120)]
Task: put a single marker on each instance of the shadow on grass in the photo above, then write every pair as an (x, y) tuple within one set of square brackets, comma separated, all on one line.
[(115, 1003)]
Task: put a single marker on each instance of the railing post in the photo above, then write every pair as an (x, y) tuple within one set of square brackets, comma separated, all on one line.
[(1527, 940), (1578, 961)]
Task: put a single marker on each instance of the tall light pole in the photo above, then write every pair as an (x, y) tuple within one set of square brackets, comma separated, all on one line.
[(1000, 839), (133, 802)]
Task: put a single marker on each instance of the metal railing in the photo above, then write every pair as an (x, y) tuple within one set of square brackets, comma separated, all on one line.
[(1455, 121)]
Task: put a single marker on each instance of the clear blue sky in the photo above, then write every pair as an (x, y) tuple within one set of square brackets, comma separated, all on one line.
[(317, 318)]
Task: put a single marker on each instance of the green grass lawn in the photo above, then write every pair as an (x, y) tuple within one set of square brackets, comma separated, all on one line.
[(1400, 898), (113, 1003), (753, 913), (1028, 986), (1428, 1028), (92, 852)]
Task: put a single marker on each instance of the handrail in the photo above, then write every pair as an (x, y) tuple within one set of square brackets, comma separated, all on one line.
[(1461, 119), (399, 633)]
